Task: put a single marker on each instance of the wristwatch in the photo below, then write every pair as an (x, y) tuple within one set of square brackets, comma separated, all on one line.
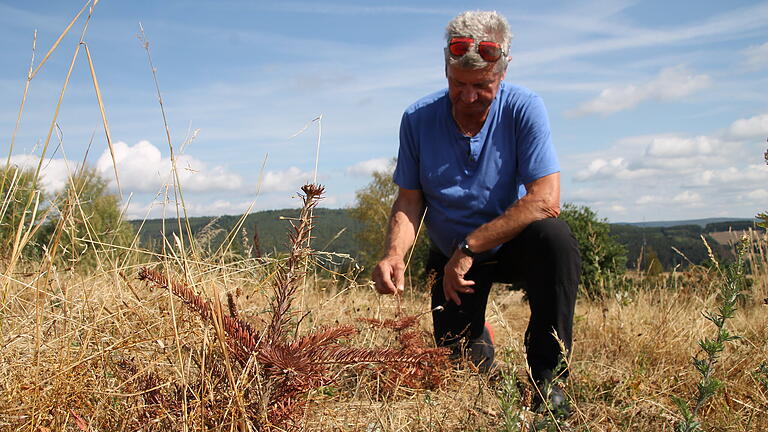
[(464, 248)]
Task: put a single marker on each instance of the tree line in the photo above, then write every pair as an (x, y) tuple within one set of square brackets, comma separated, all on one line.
[(86, 215)]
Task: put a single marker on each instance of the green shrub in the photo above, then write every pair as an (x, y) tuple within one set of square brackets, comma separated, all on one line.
[(87, 221), (17, 190), (603, 259)]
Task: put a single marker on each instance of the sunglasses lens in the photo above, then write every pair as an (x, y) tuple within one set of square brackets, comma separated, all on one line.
[(460, 46), (489, 51)]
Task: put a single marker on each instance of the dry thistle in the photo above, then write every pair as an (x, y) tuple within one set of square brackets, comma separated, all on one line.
[(289, 367)]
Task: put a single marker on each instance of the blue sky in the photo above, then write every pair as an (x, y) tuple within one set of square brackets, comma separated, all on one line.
[(658, 109)]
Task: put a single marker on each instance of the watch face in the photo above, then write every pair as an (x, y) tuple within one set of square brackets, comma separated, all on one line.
[(464, 247)]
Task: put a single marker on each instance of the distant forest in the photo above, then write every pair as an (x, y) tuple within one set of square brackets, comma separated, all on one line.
[(266, 232), (660, 240)]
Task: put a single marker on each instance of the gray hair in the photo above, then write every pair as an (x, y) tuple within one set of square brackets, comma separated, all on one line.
[(482, 26)]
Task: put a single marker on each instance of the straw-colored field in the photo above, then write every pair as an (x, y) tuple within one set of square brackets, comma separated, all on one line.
[(109, 352)]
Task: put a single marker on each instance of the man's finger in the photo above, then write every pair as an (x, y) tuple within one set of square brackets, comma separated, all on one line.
[(387, 287), (450, 294), (382, 281), (399, 280)]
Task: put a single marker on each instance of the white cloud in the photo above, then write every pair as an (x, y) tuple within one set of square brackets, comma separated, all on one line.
[(647, 156), (287, 180), (673, 175), (602, 167), (607, 169), (53, 173), (681, 154), (760, 195), (671, 84), (194, 207), (219, 207), (743, 178), (753, 127), (687, 198), (142, 168), (756, 56), (648, 199), (593, 195), (675, 147), (370, 166), (672, 159)]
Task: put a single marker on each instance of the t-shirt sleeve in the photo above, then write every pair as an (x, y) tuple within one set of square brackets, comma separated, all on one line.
[(407, 170), (536, 155)]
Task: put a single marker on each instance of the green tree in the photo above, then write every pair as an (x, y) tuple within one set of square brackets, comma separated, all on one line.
[(652, 262), (87, 222), (373, 204), (603, 259), (17, 190)]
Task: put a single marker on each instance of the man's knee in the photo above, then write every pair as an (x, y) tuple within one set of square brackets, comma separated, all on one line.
[(554, 235)]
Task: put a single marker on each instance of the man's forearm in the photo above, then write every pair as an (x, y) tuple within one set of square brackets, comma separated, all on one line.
[(542, 201), (403, 223)]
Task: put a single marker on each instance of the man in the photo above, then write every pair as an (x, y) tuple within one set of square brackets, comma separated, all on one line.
[(479, 160)]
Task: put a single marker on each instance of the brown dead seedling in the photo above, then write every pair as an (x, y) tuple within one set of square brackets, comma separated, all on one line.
[(274, 368), (429, 374)]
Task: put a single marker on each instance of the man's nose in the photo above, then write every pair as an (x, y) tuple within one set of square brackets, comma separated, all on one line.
[(468, 95)]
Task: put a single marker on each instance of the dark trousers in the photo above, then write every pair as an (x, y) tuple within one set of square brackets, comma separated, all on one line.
[(545, 259)]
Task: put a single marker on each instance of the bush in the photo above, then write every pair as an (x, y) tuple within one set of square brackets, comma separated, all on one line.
[(87, 218), (603, 259), (17, 190)]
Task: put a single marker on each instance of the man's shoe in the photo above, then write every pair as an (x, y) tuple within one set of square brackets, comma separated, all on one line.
[(489, 329), (482, 352), (557, 402)]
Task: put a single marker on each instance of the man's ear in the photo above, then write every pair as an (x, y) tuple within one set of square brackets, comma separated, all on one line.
[(503, 75)]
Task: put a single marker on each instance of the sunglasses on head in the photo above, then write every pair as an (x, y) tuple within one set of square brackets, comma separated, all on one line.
[(489, 51)]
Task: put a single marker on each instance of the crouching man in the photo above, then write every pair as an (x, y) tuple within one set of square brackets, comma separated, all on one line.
[(478, 158)]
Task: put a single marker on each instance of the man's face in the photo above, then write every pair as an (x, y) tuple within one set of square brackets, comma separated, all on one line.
[(472, 91)]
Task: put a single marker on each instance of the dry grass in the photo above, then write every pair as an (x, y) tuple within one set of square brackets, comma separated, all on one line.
[(629, 357)]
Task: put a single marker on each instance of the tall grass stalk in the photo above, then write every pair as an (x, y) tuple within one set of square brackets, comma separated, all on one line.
[(181, 208), (179, 202), (97, 90)]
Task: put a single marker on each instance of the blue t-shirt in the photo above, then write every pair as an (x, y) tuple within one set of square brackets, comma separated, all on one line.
[(465, 181)]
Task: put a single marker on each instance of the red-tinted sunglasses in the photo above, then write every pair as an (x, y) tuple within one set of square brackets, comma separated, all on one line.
[(489, 51)]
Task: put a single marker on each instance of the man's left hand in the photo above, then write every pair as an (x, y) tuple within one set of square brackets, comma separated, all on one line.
[(453, 279)]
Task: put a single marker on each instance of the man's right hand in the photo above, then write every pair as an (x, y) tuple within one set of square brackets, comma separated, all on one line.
[(389, 275)]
